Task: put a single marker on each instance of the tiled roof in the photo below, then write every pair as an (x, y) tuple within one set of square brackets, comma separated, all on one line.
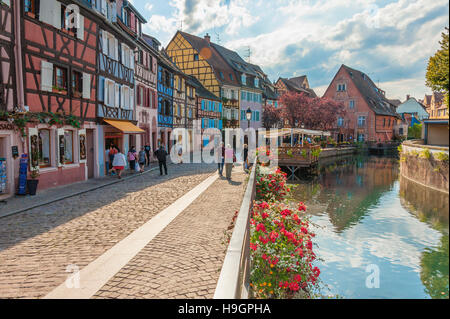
[(293, 87), (219, 65), (395, 102), (373, 96)]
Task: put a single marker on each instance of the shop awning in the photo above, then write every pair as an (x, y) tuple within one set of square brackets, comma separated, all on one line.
[(125, 126)]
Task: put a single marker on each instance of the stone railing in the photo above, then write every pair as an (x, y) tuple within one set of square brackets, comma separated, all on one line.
[(234, 277)]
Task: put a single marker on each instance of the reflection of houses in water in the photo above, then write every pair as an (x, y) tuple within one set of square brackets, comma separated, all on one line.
[(427, 204), (349, 187)]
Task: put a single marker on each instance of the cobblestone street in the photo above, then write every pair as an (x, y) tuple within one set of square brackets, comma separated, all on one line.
[(36, 246)]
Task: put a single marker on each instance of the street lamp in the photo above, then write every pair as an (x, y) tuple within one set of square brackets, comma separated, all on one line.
[(248, 114)]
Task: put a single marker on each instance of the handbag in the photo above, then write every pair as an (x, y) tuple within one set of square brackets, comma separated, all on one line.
[(137, 168)]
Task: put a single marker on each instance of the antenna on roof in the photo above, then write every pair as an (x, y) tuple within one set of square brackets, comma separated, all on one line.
[(181, 25), (249, 54)]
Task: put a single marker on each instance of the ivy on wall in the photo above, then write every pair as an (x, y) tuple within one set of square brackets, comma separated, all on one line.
[(20, 120)]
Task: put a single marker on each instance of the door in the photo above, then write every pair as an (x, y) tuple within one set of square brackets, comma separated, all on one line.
[(90, 152)]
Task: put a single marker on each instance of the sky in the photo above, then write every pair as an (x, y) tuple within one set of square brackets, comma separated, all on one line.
[(391, 41)]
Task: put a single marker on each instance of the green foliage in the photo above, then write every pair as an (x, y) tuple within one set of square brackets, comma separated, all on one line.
[(437, 77), (415, 132), (425, 153), (441, 156), (400, 148)]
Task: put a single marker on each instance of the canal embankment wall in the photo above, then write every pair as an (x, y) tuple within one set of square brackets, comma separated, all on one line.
[(425, 164), (334, 152)]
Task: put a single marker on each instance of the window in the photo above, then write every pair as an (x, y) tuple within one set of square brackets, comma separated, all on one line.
[(195, 57), (231, 77), (340, 122), (60, 78), (384, 122), (351, 104), (110, 91), (65, 19), (341, 87), (167, 78), (44, 148), (243, 79), (30, 7), (257, 82), (180, 84), (77, 83), (243, 95), (221, 75), (141, 57), (68, 147), (361, 121)]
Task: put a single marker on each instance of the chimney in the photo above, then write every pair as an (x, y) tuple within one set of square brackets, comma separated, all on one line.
[(208, 38), (407, 97)]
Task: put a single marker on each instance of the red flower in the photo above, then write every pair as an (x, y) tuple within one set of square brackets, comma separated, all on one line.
[(302, 207), (264, 240), (309, 245), (253, 246), (264, 215), (298, 278), (260, 227), (304, 230), (273, 236), (294, 286), (264, 256)]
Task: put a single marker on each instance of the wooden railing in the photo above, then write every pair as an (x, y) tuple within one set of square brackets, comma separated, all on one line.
[(301, 155), (235, 274)]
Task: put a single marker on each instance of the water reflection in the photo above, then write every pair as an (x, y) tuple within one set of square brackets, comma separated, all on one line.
[(345, 189), (363, 220)]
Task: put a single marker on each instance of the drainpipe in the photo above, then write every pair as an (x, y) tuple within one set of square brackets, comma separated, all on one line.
[(18, 54)]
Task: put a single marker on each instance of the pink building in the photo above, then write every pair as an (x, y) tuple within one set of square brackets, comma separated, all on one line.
[(59, 78), (9, 137)]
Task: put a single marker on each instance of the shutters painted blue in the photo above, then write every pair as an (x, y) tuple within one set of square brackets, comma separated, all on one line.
[(101, 88)]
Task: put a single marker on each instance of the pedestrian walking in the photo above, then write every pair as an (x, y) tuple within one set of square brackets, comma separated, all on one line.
[(161, 155), (119, 163), (147, 149), (180, 154), (112, 152), (230, 158), (142, 159), (245, 157), (132, 158), (221, 159)]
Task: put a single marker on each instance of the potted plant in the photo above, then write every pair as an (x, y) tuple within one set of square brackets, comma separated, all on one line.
[(33, 182)]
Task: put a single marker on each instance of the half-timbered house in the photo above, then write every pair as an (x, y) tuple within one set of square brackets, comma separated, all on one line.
[(116, 111), (145, 67), (58, 46), (9, 138), (197, 57)]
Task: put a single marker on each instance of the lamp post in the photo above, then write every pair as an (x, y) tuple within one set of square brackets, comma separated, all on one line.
[(248, 115)]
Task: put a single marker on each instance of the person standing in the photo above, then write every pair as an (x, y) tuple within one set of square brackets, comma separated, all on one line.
[(161, 155), (221, 159), (147, 149), (142, 159), (132, 158), (119, 163), (180, 154), (245, 157), (111, 154), (230, 158)]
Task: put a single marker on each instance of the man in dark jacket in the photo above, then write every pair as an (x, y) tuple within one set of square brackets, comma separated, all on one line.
[(161, 155)]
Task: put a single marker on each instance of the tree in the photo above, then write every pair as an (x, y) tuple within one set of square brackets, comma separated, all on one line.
[(270, 117), (437, 77), (314, 113), (415, 131)]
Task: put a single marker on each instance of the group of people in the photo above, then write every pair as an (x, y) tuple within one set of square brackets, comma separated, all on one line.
[(116, 161), (227, 158)]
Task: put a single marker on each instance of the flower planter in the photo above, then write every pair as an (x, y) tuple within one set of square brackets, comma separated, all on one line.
[(32, 185)]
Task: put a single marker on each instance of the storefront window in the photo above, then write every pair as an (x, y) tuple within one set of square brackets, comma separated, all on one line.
[(44, 148), (68, 141)]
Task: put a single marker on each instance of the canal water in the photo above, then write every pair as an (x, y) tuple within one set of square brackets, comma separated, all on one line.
[(378, 234)]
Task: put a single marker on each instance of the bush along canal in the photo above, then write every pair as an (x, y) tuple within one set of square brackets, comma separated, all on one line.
[(377, 235)]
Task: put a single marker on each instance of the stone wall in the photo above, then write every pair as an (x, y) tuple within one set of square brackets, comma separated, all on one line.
[(428, 170), (331, 152)]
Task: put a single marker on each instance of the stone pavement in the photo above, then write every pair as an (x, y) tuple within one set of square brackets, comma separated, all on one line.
[(17, 204), (185, 259), (38, 245)]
